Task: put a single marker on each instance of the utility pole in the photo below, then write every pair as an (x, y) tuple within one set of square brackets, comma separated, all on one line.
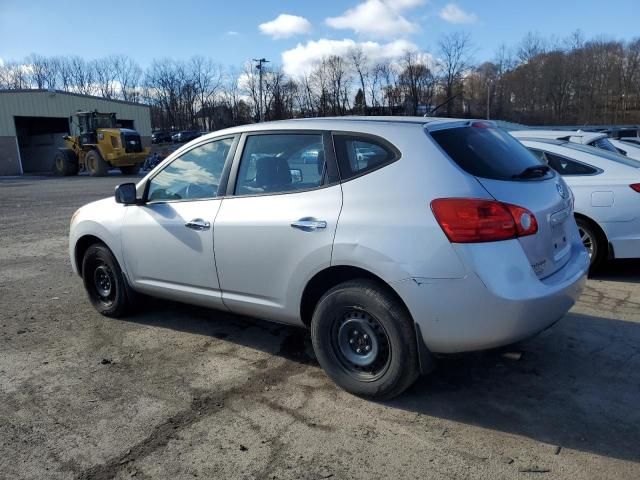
[(260, 67), (488, 100)]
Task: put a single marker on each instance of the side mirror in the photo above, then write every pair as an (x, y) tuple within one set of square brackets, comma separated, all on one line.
[(126, 194), (296, 175)]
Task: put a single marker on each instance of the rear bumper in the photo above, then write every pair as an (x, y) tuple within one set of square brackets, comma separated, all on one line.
[(499, 302)]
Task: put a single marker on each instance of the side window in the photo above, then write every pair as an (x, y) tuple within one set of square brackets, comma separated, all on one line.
[(357, 155), (275, 163), (564, 166), (540, 155), (194, 175)]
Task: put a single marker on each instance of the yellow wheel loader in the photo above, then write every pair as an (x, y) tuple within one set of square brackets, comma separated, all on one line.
[(97, 144)]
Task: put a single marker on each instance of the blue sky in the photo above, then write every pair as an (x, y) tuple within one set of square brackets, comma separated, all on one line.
[(230, 32)]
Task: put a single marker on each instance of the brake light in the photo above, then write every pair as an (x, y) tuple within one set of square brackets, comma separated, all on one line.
[(636, 187), (481, 124), (471, 220)]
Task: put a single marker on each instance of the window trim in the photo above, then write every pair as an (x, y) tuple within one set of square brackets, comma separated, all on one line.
[(223, 177), (397, 154), (598, 170), (329, 179)]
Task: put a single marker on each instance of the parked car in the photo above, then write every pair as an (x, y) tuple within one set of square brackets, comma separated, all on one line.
[(606, 187), (161, 137), (594, 139), (185, 136), (456, 239), (629, 149)]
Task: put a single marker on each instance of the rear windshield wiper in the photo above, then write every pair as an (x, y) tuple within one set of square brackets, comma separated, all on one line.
[(533, 172)]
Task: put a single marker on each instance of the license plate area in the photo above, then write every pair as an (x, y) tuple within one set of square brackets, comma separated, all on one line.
[(558, 223)]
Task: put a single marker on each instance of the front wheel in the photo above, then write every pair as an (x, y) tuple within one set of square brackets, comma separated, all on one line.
[(104, 281), (364, 340), (96, 166)]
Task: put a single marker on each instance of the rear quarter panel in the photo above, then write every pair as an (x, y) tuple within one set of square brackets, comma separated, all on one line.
[(386, 225)]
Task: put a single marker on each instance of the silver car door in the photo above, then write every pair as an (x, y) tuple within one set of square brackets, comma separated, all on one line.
[(276, 230), (168, 240)]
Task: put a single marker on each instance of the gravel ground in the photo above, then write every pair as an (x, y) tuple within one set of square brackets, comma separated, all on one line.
[(180, 392)]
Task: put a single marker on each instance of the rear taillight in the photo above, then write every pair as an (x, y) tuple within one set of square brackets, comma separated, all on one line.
[(471, 220), (636, 187)]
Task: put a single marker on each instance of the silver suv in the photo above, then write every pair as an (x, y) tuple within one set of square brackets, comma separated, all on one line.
[(392, 239)]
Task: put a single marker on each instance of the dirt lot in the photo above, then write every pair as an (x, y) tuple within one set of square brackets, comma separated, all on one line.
[(180, 392)]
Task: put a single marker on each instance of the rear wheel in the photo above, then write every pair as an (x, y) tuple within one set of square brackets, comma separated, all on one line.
[(130, 169), (104, 282), (96, 166), (593, 241), (65, 163), (364, 340)]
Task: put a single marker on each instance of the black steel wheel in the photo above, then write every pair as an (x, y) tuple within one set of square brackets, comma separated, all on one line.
[(361, 344), (104, 282), (364, 339)]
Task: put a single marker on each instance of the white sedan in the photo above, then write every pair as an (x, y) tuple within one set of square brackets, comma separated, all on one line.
[(630, 149), (593, 139), (606, 187)]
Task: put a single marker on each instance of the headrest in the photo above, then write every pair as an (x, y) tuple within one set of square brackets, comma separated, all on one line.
[(272, 171)]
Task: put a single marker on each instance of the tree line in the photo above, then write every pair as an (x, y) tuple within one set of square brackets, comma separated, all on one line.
[(540, 81)]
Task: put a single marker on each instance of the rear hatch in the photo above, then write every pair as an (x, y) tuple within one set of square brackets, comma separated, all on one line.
[(513, 175)]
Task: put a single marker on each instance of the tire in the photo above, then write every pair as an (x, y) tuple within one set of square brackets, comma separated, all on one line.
[(360, 314), (96, 166), (594, 241), (104, 282), (65, 163), (130, 169)]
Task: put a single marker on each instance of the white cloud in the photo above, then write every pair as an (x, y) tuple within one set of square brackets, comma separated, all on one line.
[(304, 57), (232, 33), (285, 26), (454, 14), (380, 18)]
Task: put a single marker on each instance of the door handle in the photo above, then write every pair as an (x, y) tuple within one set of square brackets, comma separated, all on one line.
[(309, 225), (198, 224)]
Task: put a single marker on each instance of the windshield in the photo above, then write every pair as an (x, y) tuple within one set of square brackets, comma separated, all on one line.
[(604, 144), (489, 152), (613, 156)]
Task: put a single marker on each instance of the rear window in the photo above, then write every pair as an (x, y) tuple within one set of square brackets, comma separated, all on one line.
[(604, 144), (614, 157), (486, 152)]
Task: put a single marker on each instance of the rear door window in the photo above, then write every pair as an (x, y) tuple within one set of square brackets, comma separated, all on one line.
[(277, 163), (360, 154), (486, 151), (564, 166)]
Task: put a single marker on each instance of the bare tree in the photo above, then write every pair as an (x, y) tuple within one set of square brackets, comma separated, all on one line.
[(360, 64), (82, 76), (127, 74), (105, 76), (416, 82), (42, 70), (455, 57)]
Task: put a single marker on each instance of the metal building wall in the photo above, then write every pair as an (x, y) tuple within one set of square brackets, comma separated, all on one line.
[(44, 103)]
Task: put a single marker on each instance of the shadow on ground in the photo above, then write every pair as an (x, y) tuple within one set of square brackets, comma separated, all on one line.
[(576, 385), (619, 271)]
